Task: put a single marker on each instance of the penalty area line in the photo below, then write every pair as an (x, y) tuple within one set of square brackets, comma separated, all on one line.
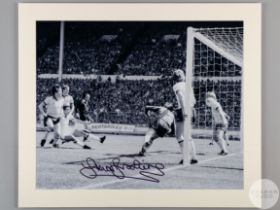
[(98, 185)]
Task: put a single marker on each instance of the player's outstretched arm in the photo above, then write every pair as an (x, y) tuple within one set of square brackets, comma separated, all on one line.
[(152, 108)]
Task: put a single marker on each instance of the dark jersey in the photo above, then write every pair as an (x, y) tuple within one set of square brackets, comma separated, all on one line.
[(82, 108)]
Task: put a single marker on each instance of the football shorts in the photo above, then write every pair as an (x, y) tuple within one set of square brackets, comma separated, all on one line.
[(162, 128), (55, 120), (178, 114)]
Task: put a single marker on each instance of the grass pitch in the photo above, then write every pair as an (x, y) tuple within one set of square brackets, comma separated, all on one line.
[(59, 168)]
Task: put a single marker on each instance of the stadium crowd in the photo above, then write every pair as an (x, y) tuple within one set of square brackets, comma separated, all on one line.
[(48, 63), (151, 56), (154, 55), (125, 51), (90, 58), (151, 53)]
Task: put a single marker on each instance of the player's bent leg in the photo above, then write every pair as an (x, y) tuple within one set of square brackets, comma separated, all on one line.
[(66, 139), (81, 133), (223, 142), (89, 136), (55, 140), (150, 136), (43, 141), (191, 145), (86, 132), (45, 138), (86, 125), (78, 133), (78, 142), (179, 133), (226, 137), (49, 124), (163, 128), (96, 138), (56, 134), (219, 138), (49, 128), (192, 151)]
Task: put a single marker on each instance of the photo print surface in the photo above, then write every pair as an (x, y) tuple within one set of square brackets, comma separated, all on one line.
[(139, 105)]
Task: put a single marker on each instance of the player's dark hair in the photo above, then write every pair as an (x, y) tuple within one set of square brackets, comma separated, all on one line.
[(169, 106), (65, 86), (55, 89), (178, 75)]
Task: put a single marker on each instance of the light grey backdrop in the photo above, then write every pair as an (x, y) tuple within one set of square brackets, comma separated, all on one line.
[(9, 94)]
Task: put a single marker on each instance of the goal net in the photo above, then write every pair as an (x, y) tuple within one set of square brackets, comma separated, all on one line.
[(214, 63)]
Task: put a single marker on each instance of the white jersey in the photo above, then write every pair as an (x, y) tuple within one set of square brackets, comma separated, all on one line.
[(216, 110), (64, 129), (167, 115), (157, 112), (68, 100), (181, 87), (54, 106)]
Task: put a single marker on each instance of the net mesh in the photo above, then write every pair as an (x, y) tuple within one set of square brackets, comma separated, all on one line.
[(212, 71), (228, 39)]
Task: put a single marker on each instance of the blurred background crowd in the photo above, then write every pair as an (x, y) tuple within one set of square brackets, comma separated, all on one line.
[(134, 49)]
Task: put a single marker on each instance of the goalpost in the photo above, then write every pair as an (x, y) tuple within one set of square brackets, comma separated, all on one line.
[(214, 63), (61, 50)]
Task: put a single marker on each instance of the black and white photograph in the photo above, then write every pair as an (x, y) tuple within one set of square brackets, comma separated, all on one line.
[(139, 105)]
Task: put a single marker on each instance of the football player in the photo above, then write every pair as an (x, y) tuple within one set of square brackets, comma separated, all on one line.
[(161, 124), (68, 99), (53, 106), (220, 121), (68, 132), (82, 113), (179, 89), (225, 133), (82, 108)]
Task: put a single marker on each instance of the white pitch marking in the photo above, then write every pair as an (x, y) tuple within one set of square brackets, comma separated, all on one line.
[(93, 186)]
